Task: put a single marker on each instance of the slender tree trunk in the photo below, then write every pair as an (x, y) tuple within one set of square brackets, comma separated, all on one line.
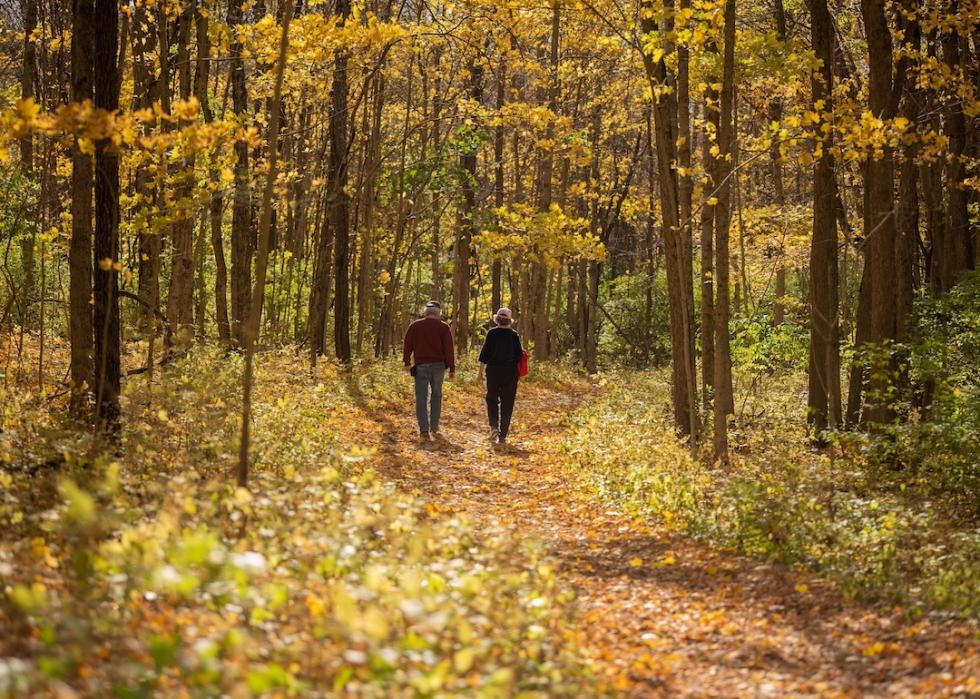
[(241, 218), (147, 84), (908, 207), (200, 292), (957, 252), (252, 322), (467, 226), (930, 178), (28, 69), (683, 383), (723, 404), (496, 292), (180, 299), (859, 369), (824, 370), (216, 204), (436, 261), (338, 211), (320, 290), (105, 313), (684, 180), (707, 242), (593, 272), (372, 160), (879, 218), (776, 116), (80, 248), (537, 303)]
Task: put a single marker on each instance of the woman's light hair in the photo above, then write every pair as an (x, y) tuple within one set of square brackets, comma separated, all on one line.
[(432, 311), (503, 321)]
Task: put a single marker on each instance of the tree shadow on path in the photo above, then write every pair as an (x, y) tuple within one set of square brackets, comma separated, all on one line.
[(665, 614)]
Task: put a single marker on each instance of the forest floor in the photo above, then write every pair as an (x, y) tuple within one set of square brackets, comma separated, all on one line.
[(343, 492), (660, 614)]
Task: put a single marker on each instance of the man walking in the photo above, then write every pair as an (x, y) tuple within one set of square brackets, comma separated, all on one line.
[(427, 353)]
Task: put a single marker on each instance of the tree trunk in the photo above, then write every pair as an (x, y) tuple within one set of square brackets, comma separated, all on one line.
[(908, 207), (467, 226), (320, 291), (723, 404), (338, 211), (681, 299), (28, 68), (957, 252), (824, 370), (147, 83), (879, 219), (372, 160), (216, 205), (496, 289), (180, 298), (80, 248), (707, 243), (684, 181), (593, 270), (776, 116), (241, 217), (105, 315), (537, 301), (859, 369), (250, 330)]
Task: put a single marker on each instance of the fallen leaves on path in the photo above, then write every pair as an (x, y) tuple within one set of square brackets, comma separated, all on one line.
[(659, 614)]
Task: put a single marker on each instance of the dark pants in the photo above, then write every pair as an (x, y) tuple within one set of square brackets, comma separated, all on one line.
[(428, 376), (501, 393)]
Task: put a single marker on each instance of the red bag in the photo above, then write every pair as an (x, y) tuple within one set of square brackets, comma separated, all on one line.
[(522, 364)]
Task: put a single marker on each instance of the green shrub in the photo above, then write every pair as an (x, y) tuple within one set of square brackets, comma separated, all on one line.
[(759, 346), (628, 339)]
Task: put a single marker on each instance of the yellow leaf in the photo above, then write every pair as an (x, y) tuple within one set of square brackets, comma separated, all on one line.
[(636, 562), (463, 659), (316, 606), (876, 648), (28, 109)]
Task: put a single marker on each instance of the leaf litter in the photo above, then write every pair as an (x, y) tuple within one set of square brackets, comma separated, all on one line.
[(658, 614)]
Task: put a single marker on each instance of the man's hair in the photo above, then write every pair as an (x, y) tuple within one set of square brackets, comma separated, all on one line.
[(431, 311), (503, 321)]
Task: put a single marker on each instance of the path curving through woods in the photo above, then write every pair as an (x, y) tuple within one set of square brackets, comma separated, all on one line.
[(658, 613)]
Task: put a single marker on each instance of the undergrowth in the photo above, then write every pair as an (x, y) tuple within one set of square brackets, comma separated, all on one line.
[(824, 510), (138, 569)]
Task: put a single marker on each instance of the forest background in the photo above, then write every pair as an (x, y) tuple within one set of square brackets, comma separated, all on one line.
[(753, 225)]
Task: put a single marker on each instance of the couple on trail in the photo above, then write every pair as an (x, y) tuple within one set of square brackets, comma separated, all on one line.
[(428, 354)]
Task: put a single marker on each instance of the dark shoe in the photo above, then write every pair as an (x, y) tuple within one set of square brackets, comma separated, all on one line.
[(424, 437), (502, 439), (437, 435)]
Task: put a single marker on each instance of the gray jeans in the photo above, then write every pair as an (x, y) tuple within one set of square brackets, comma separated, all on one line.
[(429, 376)]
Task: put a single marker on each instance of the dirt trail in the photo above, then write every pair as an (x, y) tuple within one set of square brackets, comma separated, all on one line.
[(661, 615)]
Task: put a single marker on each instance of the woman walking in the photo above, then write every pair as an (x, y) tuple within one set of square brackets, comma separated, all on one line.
[(500, 355)]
